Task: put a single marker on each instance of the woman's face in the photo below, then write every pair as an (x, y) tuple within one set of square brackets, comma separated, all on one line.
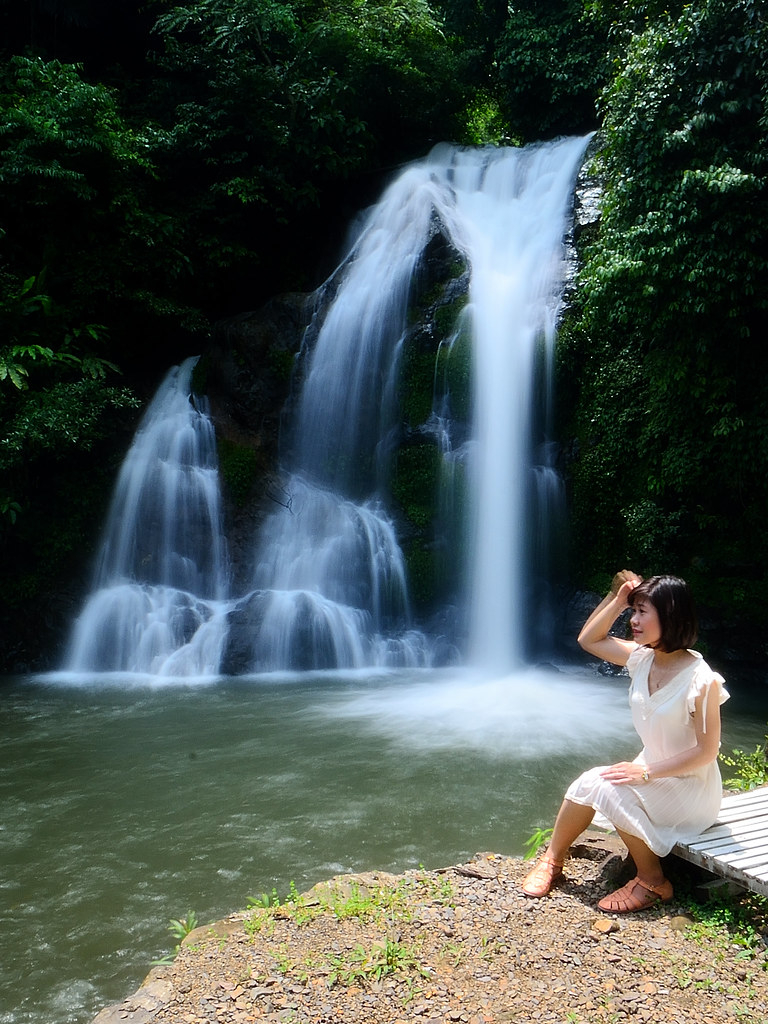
[(645, 625)]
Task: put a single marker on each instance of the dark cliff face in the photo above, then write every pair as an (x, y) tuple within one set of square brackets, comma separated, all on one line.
[(252, 373), (247, 372)]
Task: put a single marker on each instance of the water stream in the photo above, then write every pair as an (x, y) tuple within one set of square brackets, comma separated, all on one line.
[(140, 783), (126, 805), (329, 588)]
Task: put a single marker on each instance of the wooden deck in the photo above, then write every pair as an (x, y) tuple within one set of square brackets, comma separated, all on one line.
[(736, 846)]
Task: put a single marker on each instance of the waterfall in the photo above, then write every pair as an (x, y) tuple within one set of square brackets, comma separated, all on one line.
[(329, 585), (513, 206), (161, 578)]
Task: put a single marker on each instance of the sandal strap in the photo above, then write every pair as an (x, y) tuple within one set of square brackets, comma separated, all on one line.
[(546, 859), (657, 889)]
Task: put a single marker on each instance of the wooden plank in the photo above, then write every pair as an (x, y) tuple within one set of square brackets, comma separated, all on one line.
[(757, 804), (727, 844), (742, 859), (753, 831), (742, 813), (736, 846), (749, 796)]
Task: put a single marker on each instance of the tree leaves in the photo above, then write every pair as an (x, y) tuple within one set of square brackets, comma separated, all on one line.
[(676, 282)]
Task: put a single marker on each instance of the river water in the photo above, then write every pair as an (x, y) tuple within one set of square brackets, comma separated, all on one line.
[(126, 804)]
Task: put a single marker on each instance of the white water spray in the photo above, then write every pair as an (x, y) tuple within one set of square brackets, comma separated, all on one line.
[(513, 207), (156, 606), (329, 586)]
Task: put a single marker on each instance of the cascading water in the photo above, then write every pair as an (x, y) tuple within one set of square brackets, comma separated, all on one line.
[(156, 606), (513, 205), (329, 587)]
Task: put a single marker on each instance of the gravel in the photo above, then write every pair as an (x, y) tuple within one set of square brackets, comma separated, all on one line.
[(461, 944)]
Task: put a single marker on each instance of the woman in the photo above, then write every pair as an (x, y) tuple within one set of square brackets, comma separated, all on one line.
[(672, 790)]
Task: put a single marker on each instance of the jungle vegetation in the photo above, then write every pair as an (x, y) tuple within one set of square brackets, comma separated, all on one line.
[(164, 164)]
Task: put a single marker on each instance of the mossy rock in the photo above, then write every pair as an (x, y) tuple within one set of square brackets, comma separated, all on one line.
[(414, 483), (423, 575), (239, 468)]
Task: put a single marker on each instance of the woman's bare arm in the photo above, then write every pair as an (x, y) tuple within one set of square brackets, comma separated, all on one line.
[(703, 752), (594, 636)]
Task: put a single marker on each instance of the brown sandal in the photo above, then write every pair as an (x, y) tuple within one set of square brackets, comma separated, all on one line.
[(636, 895), (547, 873)]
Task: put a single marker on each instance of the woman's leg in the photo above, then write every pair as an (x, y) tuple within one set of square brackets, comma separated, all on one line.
[(646, 889), (572, 819), (646, 861)]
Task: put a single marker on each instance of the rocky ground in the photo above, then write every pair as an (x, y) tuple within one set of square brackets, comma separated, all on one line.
[(459, 945)]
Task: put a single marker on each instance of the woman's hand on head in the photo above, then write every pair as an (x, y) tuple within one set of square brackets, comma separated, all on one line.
[(622, 577), (626, 589), (594, 636)]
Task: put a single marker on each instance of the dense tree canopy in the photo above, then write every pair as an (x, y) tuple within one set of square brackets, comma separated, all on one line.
[(673, 415), (166, 163)]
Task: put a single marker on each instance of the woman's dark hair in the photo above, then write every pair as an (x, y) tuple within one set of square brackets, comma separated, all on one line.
[(673, 601)]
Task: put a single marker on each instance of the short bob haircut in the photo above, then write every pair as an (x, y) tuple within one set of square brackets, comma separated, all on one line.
[(673, 601)]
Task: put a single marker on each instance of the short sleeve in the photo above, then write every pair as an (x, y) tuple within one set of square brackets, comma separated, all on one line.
[(637, 657), (707, 683)]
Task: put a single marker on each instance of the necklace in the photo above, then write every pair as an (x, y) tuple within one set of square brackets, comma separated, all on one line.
[(659, 675)]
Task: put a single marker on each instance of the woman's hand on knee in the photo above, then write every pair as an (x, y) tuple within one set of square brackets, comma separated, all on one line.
[(625, 773)]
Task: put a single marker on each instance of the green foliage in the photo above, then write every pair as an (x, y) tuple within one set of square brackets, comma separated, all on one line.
[(552, 63), (484, 120), (535, 841), (750, 768), (414, 484), (76, 187), (728, 924), (364, 966), (672, 421), (266, 105), (383, 905), (27, 315), (54, 421), (180, 928), (56, 488)]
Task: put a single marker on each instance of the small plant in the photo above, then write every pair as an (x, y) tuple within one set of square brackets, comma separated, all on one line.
[(360, 965), (283, 962), (9, 509), (383, 904), (264, 901), (180, 928), (734, 924), (535, 842), (454, 952), (750, 767), (442, 892)]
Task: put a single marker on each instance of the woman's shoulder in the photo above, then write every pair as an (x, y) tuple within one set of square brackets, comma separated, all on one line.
[(639, 656), (703, 677), (701, 667)]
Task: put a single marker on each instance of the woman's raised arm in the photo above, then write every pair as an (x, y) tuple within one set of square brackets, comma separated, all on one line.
[(594, 636)]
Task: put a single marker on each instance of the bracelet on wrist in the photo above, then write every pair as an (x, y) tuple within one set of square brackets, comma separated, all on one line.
[(645, 776)]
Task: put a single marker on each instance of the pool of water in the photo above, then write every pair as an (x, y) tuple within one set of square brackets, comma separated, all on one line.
[(126, 803)]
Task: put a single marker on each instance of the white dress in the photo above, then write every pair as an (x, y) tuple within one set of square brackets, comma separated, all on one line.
[(661, 812)]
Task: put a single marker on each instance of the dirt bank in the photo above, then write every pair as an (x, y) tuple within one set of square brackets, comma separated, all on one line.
[(457, 945)]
